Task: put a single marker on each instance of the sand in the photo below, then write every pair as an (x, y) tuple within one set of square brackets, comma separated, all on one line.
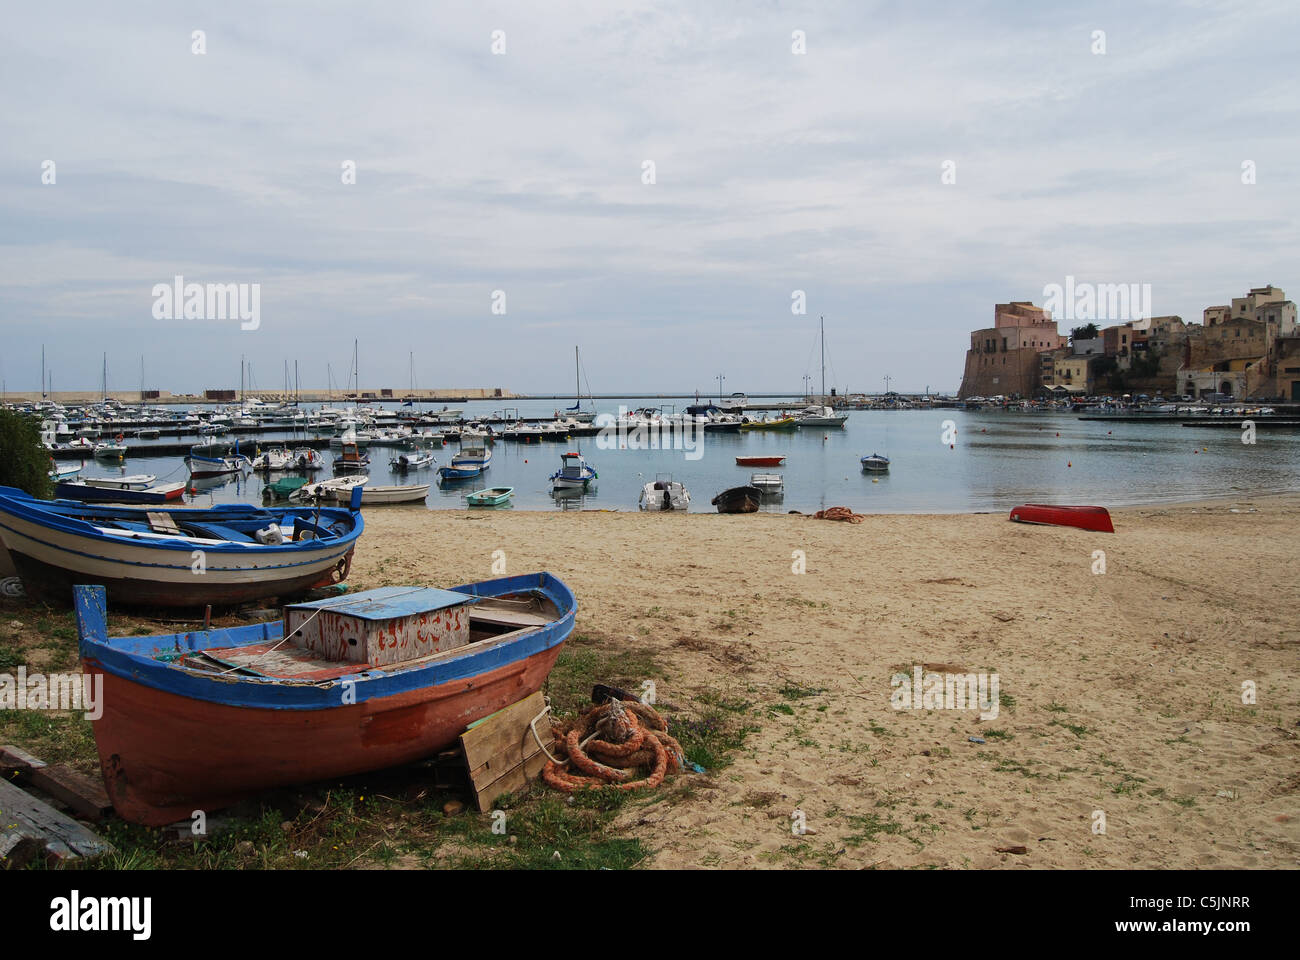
[(1121, 691)]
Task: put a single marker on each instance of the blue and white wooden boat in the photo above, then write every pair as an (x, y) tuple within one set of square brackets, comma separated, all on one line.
[(875, 463), (362, 682), (470, 462), (575, 473), (230, 554), (202, 466)]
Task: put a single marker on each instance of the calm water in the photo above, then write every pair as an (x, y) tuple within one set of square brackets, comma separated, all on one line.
[(998, 461)]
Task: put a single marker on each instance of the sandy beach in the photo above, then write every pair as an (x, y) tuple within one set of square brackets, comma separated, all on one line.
[(1120, 692)]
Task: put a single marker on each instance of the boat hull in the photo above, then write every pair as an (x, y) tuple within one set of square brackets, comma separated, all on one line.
[(738, 500), (1096, 519), (164, 756), (759, 461)]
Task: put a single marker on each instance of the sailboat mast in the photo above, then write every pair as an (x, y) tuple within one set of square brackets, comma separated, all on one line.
[(577, 378), (43, 393), (823, 322)]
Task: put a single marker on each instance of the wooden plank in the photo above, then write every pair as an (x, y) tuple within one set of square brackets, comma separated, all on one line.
[(18, 846), (490, 736), (64, 838), (84, 796), (162, 523), (513, 753), (15, 759), (513, 779), (500, 751)]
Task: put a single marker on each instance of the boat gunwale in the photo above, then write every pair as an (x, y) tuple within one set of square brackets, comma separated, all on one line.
[(112, 654)]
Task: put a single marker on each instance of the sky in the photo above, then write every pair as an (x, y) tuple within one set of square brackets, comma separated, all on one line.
[(516, 179)]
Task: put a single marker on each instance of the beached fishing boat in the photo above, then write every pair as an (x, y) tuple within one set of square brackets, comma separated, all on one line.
[(738, 500), (490, 497), (1096, 519), (665, 493), (759, 461), (149, 557), (247, 711), (328, 489), (575, 473), (417, 460), (875, 463), (205, 467), (86, 492), (374, 496)]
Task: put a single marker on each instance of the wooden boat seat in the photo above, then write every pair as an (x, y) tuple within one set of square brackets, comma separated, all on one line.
[(162, 523)]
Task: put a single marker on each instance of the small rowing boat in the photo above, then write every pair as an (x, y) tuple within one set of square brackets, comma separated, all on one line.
[(490, 497), (759, 461), (374, 496), (875, 464), (330, 489), (1096, 519), (86, 492), (738, 500)]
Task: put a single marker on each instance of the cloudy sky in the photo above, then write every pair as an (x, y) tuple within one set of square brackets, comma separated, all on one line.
[(523, 172)]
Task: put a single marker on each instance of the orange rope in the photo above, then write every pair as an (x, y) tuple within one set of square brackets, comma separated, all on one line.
[(839, 513), (621, 736)]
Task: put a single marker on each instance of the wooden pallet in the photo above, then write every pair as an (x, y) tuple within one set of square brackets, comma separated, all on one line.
[(501, 752), (31, 828)]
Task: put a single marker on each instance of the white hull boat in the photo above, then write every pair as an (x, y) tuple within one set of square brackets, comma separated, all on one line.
[(372, 496), (329, 489), (666, 494)]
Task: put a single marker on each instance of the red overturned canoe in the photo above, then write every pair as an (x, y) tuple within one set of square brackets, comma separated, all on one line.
[(759, 461), (1085, 518)]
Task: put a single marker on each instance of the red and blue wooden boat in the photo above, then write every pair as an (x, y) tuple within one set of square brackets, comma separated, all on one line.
[(366, 681), (1085, 518)]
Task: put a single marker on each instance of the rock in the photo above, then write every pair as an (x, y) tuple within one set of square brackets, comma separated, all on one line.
[(1016, 849), (244, 847), (452, 808)]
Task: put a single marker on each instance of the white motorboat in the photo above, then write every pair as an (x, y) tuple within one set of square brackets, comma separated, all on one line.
[(574, 473), (416, 460), (771, 484), (665, 493), (281, 459), (330, 489)]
